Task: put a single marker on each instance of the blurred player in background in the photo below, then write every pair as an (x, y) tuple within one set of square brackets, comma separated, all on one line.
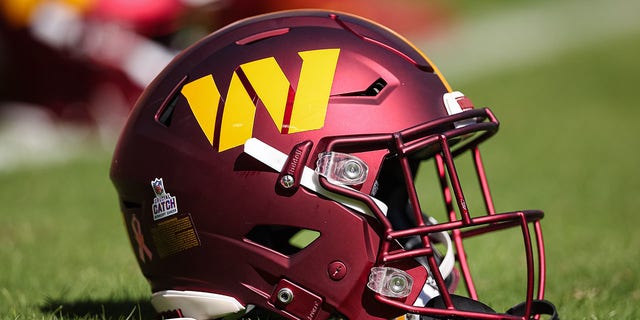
[(84, 62)]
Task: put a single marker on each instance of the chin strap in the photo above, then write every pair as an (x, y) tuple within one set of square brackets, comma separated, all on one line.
[(430, 289), (537, 307)]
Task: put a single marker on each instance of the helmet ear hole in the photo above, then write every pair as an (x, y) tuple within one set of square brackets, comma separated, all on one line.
[(285, 240)]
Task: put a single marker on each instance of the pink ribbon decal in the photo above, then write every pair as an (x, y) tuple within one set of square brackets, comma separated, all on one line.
[(137, 233)]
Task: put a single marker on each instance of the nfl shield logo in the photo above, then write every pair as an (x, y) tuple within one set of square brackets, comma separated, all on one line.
[(158, 187), (164, 204)]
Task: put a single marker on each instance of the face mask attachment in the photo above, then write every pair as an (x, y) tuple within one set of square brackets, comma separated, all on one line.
[(342, 168)]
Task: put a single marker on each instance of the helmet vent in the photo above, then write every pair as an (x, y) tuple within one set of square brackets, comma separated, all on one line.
[(168, 106), (130, 204), (372, 91), (167, 113), (262, 36), (286, 240)]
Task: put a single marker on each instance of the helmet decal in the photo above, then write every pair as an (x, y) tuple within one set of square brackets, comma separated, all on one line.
[(291, 111), (164, 204), (143, 250)]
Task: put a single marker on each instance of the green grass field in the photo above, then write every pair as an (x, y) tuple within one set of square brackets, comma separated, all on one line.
[(63, 248), (568, 144)]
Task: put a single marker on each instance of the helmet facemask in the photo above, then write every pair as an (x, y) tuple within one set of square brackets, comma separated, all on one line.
[(411, 233)]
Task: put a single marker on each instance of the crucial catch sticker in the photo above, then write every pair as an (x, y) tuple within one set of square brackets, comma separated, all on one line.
[(164, 204)]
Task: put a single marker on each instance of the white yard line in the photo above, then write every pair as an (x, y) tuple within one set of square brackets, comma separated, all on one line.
[(28, 137)]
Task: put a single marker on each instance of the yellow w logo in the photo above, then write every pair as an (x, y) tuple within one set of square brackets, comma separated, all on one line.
[(302, 110)]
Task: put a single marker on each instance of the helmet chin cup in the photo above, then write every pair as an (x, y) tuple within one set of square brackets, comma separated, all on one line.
[(537, 307), (461, 303)]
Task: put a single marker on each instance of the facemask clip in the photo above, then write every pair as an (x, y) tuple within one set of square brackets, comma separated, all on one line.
[(342, 168), (390, 282)]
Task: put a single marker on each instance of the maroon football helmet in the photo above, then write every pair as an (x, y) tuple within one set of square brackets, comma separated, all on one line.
[(272, 169)]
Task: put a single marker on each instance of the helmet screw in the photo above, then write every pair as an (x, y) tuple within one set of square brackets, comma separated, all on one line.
[(337, 270), (285, 295), (287, 181)]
